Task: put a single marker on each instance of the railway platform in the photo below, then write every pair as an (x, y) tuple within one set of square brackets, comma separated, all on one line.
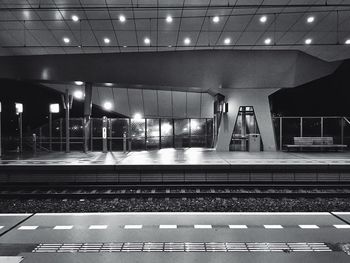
[(176, 165), (175, 237)]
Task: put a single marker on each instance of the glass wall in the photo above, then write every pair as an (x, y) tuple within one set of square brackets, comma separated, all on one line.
[(130, 134), (286, 128)]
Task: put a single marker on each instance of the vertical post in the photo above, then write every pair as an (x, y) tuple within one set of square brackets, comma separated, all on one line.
[(0, 132), (124, 142), (34, 143), (301, 126), (189, 132), (145, 134), (40, 137), (281, 133), (67, 121), (91, 134), (160, 133), (61, 136), (342, 130), (104, 134), (109, 135), (50, 130), (321, 126), (244, 130), (129, 129), (87, 115), (20, 132)]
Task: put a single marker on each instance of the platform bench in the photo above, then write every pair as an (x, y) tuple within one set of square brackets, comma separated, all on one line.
[(321, 143)]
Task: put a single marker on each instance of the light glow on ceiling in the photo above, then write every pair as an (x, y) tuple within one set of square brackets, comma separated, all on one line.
[(107, 105), (122, 18), (263, 19), (347, 42), (169, 19), (216, 19), (187, 41), (66, 40), (227, 41), (106, 40), (75, 18), (147, 41), (268, 41), (78, 82), (310, 19), (78, 94), (308, 41)]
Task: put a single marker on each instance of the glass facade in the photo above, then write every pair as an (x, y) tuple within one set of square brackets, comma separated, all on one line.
[(134, 134)]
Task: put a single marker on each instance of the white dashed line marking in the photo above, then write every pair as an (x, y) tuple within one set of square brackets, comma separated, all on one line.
[(308, 226), (273, 226), (167, 226), (341, 226), (63, 227), (132, 226), (27, 227), (202, 226), (98, 227), (238, 226)]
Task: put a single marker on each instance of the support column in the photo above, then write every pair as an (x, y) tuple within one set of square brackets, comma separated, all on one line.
[(87, 115), (257, 98)]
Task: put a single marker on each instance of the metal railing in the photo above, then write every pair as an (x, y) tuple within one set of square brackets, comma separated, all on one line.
[(124, 134), (286, 128)]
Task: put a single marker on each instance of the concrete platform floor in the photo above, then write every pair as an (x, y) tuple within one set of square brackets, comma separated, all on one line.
[(190, 156), (176, 237)]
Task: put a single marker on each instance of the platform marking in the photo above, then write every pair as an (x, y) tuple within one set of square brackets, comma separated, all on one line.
[(342, 226), (308, 226), (167, 226), (273, 226), (203, 226), (132, 226), (98, 227), (238, 226), (27, 227), (63, 227)]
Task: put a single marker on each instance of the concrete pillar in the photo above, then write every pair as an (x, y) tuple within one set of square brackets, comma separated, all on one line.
[(87, 115), (257, 98)]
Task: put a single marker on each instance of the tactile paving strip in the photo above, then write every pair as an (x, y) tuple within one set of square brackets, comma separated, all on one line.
[(182, 247)]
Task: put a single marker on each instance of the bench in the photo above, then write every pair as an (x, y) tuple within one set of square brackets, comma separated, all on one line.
[(321, 143)]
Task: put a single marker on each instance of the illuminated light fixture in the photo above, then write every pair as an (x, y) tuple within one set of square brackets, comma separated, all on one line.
[(122, 18), (169, 19), (54, 108), (170, 46), (268, 41), (66, 40), (106, 40), (125, 46), (347, 42), (78, 82), (216, 19), (227, 41), (263, 19), (19, 108), (137, 116), (187, 41), (78, 94), (75, 18), (308, 41), (166, 128), (107, 105), (310, 19), (109, 84), (147, 41)]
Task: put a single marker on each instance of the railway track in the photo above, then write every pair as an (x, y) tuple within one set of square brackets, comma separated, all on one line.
[(175, 191)]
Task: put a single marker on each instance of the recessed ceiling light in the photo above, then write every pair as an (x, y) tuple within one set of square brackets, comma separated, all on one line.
[(125, 46), (78, 94), (347, 42), (187, 41), (216, 19), (310, 19), (147, 41), (106, 40), (308, 41), (137, 116), (170, 46), (263, 19), (122, 18), (268, 41), (227, 41), (75, 18), (107, 105), (66, 40), (78, 82), (109, 84), (169, 19)]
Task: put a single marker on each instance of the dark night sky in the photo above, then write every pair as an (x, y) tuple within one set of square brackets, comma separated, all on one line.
[(328, 96)]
